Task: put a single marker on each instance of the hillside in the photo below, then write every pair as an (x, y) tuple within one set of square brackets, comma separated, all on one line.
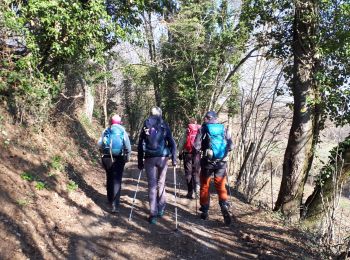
[(54, 207)]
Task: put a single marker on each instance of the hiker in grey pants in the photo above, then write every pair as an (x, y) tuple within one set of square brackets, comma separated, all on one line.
[(156, 168), (156, 145)]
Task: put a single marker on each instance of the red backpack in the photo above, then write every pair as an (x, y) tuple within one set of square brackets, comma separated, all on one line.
[(192, 131)]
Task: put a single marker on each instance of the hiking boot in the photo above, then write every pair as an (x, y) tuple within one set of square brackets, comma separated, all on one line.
[(114, 209), (203, 208), (160, 213), (226, 214), (152, 220), (204, 215), (189, 195)]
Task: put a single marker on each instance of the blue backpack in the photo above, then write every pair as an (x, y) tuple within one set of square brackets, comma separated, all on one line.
[(155, 144), (113, 140), (215, 140)]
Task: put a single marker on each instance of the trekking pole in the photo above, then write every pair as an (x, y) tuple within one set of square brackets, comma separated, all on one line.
[(196, 204), (229, 187), (194, 188), (176, 229), (183, 167), (133, 201)]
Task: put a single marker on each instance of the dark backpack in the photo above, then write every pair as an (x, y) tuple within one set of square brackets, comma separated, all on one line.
[(214, 141), (192, 131), (113, 140), (155, 133)]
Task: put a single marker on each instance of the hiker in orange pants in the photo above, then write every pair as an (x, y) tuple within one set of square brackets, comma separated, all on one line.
[(215, 142), (219, 172), (218, 169)]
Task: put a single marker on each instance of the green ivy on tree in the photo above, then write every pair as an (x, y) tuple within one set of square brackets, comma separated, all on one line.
[(44, 37)]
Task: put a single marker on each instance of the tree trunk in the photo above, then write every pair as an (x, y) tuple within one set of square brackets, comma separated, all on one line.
[(105, 100), (244, 164), (332, 177), (147, 17), (299, 152), (89, 101)]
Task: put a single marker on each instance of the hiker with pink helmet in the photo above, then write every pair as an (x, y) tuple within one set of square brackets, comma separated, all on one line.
[(115, 148)]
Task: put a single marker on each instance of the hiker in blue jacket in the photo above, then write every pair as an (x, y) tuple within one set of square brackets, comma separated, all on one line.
[(156, 145), (115, 147), (215, 142)]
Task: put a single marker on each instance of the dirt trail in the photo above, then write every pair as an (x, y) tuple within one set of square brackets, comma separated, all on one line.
[(54, 223)]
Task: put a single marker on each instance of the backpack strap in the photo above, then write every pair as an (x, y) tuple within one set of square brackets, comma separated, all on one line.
[(205, 139), (110, 150)]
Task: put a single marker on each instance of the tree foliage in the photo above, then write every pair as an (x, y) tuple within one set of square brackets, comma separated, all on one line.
[(42, 38), (321, 206), (204, 48), (274, 22), (334, 74)]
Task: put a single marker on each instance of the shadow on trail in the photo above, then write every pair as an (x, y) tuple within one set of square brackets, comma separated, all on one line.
[(211, 239), (21, 215), (121, 238), (28, 247), (25, 218), (186, 243), (89, 191), (85, 233)]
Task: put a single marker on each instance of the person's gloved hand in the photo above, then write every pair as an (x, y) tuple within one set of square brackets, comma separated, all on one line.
[(140, 166)]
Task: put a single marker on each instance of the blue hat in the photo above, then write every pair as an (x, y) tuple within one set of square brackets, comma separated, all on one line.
[(211, 114)]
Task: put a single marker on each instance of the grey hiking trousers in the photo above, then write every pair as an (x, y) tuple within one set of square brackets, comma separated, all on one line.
[(156, 168)]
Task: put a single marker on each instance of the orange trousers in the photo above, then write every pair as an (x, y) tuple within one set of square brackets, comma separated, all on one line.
[(220, 187)]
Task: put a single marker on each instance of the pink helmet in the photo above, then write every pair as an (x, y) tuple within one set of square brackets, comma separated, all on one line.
[(116, 119)]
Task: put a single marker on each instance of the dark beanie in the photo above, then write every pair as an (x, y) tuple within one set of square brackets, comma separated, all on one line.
[(211, 114)]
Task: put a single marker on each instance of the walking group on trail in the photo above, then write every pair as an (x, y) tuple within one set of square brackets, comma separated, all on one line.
[(203, 148)]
